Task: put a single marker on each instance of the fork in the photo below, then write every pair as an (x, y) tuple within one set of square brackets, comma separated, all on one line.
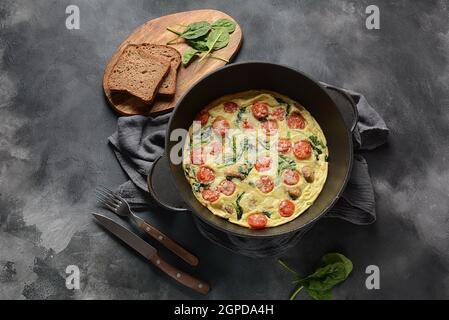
[(120, 207)]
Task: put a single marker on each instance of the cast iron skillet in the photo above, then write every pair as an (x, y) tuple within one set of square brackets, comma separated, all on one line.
[(292, 83)]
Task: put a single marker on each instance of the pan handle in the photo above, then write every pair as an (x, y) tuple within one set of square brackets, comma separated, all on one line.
[(346, 104), (160, 168)]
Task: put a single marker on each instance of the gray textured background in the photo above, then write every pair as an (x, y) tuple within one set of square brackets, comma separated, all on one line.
[(55, 122)]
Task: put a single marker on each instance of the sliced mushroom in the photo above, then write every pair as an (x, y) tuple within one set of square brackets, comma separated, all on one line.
[(252, 201), (308, 173), (236, 171), (229, 208), (231, 174), (294, 193)]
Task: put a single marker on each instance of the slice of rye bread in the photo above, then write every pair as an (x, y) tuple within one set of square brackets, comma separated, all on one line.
[(168, 86), (138, 73)]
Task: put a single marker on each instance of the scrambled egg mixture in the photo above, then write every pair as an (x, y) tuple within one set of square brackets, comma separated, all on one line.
[(256, 158)]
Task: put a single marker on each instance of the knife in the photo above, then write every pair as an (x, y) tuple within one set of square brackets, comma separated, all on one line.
[(150, 253)]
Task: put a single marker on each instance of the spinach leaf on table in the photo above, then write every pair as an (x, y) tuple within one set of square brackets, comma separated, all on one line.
[(199, 44), (224, 23), (196, 30), (188, 56), (333, 269), (204, 38), (320, 295), (217, 39)]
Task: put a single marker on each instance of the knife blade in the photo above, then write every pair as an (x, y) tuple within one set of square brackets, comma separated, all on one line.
[(150, 252), (130, 238)]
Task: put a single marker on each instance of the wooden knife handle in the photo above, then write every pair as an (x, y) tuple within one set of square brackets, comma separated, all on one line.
[(180, 276), (170, 244)]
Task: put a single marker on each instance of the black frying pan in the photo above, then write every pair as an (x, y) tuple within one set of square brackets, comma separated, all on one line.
[(292, 83)]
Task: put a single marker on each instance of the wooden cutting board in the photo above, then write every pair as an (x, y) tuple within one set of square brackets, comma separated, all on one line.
[(154, 31)]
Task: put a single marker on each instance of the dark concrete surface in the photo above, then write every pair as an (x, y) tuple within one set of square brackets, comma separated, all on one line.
[(54, 123)]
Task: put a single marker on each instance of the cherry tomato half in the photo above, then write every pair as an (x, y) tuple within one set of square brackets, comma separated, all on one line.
[(227, 187), (203, 117), (205, 175), (257, 221), (302, 150), (230, 107), (286, 208), (265, 184), (296, 121), (260, 110)]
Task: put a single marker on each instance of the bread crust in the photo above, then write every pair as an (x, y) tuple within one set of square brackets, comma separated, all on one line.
[(167, 53), (139, 73)]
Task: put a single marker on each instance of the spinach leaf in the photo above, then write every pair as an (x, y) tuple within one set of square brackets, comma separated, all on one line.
[(285, 163), (267, 213), (316, 145), (317, 142), (331, 258), (242, 171), (196, 30), (217, 39), (188, 56), (288, 108), (320, 295), (224, 23), (234, 148), (238, 207), (199, 44), (333, 269), (280, 100), (240, 114), (205, 38), (317, 151), (198, 186), (325, 278)]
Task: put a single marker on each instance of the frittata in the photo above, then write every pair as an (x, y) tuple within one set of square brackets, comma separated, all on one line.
[(256, 158)]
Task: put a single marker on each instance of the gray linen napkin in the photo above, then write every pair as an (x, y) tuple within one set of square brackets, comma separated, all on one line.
[(139, 141)]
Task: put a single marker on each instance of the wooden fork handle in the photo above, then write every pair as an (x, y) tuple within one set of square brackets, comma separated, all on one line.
[(180, 276), (170, 244)]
